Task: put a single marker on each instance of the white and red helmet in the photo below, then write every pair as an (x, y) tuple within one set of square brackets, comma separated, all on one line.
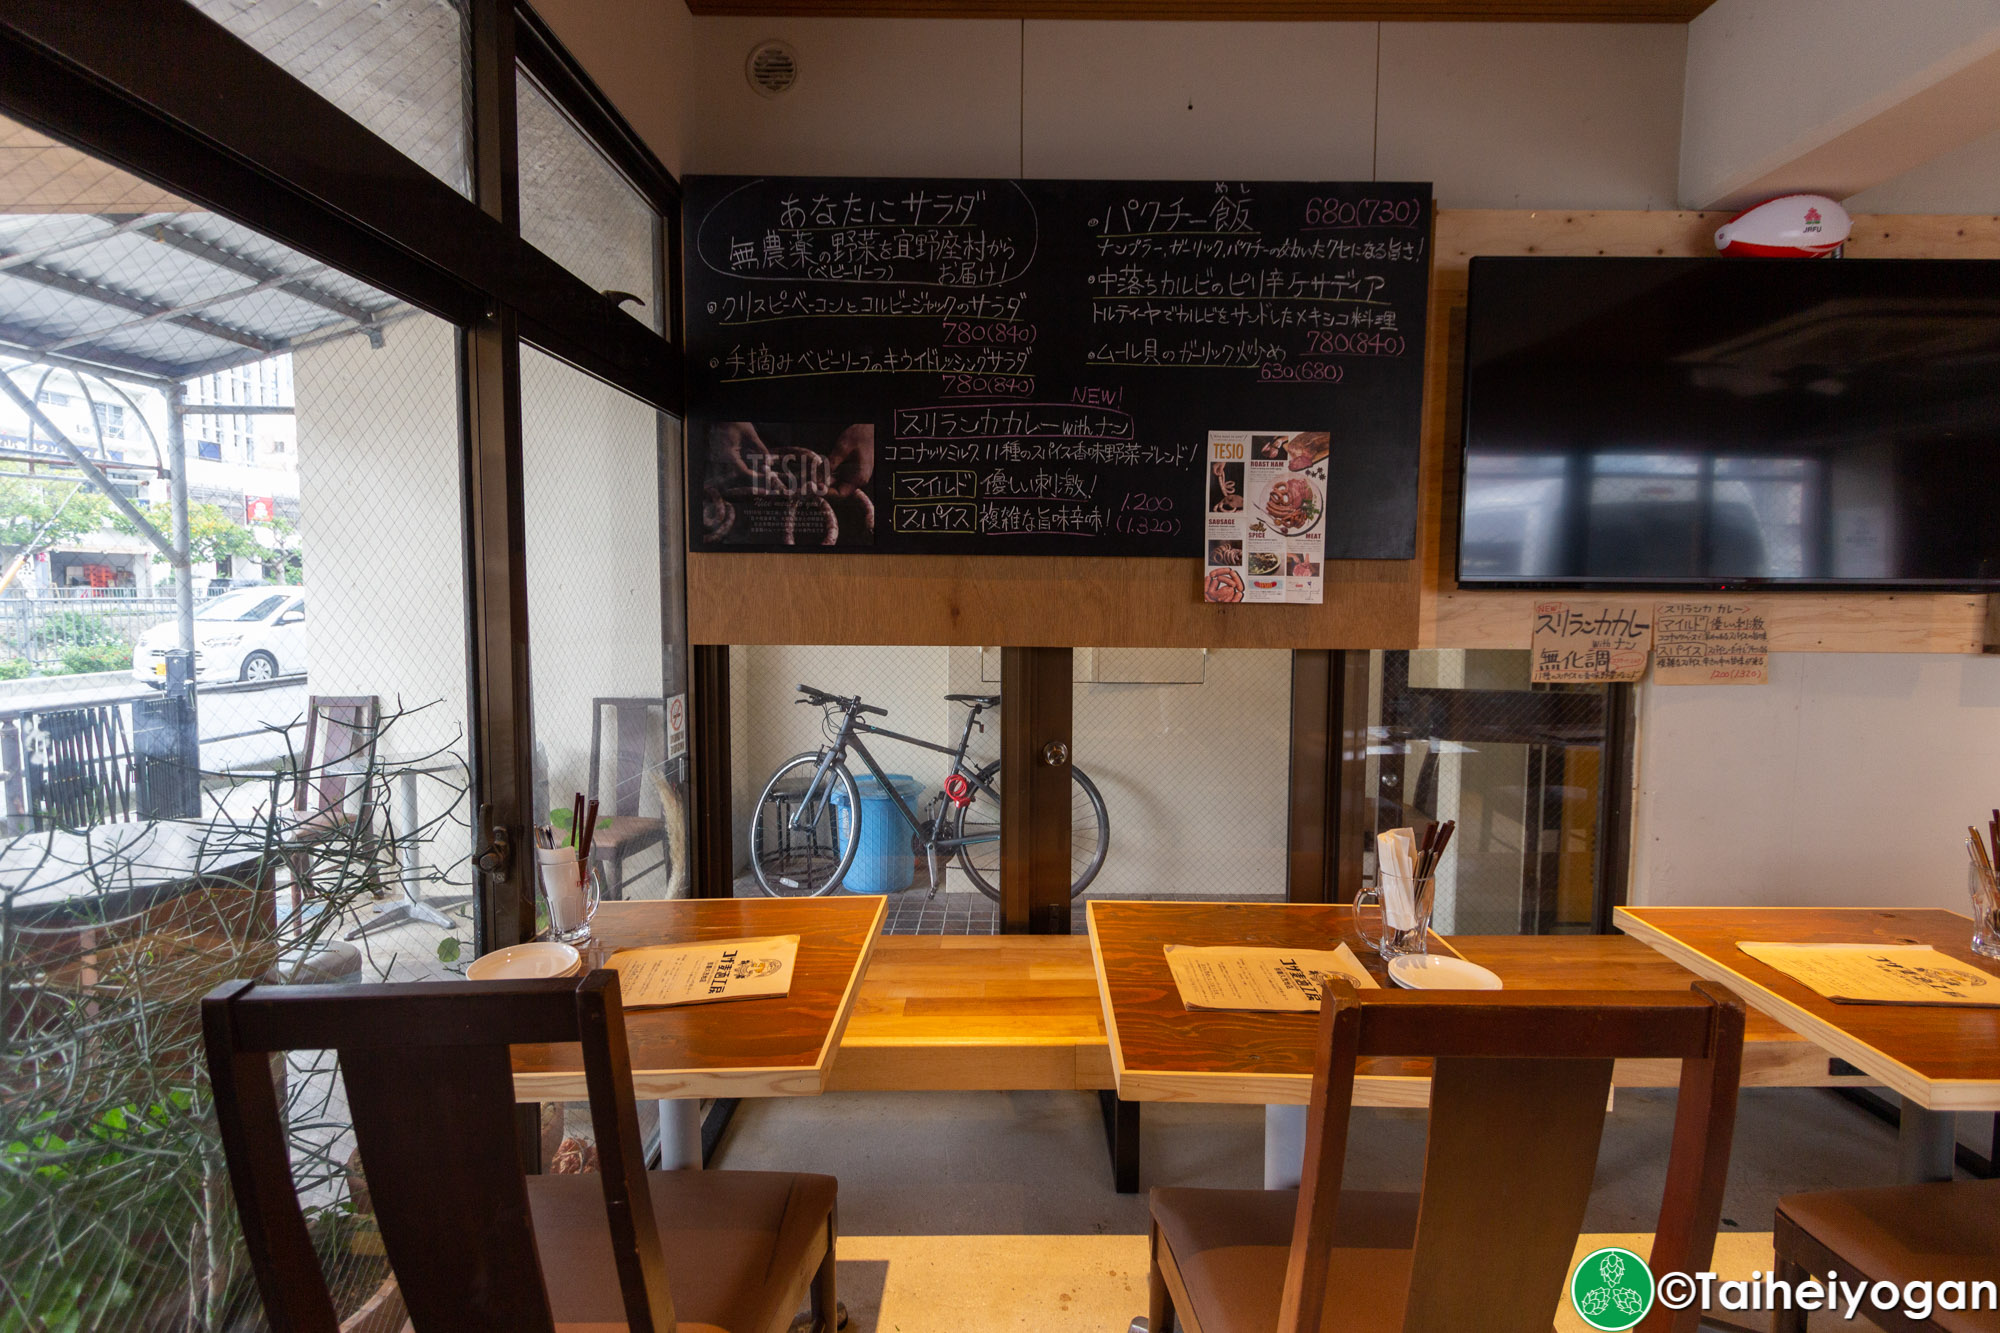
[(1792, 226)]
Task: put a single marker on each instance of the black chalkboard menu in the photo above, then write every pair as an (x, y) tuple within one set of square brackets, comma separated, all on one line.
[(1032, 367)]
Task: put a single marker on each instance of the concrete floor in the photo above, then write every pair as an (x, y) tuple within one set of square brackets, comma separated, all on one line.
[(978, 1211)]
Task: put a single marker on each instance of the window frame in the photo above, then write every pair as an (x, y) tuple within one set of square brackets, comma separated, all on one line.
[(277, 157)]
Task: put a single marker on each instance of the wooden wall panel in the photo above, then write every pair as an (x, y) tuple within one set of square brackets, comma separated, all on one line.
[(1370, 603), (1114, 603), (1799, 622)]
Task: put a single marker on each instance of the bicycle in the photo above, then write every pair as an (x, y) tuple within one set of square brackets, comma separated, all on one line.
[(798, 847)]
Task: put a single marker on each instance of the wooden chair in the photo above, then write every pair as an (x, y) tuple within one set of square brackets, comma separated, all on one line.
[(1517, 1107), (475, 1244), (621, 830), (1944, 1232), (332, 794)]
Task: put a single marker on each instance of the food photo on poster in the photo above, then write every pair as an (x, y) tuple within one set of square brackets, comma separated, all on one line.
[(1276, 529), (1225, 488), (787, 483)]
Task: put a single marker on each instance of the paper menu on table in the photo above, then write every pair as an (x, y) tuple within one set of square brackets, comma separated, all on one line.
[(1264, 529), (1266, 980), (1880, 973), (712, 970)]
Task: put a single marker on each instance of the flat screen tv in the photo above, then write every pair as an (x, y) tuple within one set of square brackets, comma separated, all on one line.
[(1731, 423)]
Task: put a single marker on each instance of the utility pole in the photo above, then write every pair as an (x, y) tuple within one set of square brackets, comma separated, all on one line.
[(177, 498)]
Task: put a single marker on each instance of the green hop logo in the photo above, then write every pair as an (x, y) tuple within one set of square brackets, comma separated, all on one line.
[(1612, 1289)]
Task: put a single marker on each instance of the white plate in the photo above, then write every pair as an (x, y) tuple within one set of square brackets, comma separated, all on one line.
[(1430, 971), (517, 962)]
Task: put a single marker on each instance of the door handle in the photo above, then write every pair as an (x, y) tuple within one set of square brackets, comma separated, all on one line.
[(497, 856)]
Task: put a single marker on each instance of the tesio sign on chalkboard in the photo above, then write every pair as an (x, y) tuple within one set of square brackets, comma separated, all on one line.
[(1034, 367)]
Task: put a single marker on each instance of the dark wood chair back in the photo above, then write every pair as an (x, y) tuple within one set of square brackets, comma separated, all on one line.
[(1518, 1094), (79, 767), (635, 723), (339, 750), (430, 1090)]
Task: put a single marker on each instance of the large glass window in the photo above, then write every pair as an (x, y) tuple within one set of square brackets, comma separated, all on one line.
[(592, 463), (1464, 736), (400, 67), (577, 209), (233, 741)]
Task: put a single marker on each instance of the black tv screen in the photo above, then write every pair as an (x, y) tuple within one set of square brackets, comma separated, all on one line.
[(1724, 423)]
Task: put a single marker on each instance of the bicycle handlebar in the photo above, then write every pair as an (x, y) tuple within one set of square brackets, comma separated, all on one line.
[(815, 696)]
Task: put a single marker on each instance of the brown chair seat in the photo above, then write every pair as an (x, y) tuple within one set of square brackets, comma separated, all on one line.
[(733, 1243), (1518, 1088), (1943, 1232), (1232, 1246)]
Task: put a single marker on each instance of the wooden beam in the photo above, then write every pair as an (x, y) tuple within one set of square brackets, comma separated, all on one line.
[(1036, 692), (1129, 601)]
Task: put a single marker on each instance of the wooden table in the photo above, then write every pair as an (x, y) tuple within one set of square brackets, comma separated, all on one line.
[(782, 1046), (1161, 1051), (1940, 1059)]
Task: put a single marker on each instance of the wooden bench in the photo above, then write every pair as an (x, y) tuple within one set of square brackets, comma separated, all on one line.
[(1021, 1012), (955, 1013), (949, 1013)]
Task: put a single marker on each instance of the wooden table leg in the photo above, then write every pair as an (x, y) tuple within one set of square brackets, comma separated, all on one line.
[(1121, 1135)]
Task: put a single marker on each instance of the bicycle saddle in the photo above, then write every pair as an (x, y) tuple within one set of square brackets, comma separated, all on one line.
[(983, 700)]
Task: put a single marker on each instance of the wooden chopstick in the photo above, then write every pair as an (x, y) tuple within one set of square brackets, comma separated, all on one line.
[(1449, 827), (589, 830)]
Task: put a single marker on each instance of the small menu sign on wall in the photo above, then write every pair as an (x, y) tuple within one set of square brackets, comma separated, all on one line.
[(1266, 520), (1710, 643), (1590, 641)]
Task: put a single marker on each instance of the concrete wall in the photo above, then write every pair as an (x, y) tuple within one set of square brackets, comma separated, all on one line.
[(1530, 116), (1770, 81), (1965, 180), (379, 481), (1497, 116), (590, 472), (768, 726), (1193, 775), (1848, 780)]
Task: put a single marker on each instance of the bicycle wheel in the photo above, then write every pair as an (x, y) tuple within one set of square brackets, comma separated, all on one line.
[(1089, 836), (794, 860)]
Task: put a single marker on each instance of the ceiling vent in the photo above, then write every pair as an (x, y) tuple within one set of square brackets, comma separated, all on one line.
[(773, 68)]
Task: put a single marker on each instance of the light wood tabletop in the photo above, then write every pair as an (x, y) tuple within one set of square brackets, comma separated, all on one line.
[(952, 1012), (1942, 1058), (1161, 1051), (778, 1046)]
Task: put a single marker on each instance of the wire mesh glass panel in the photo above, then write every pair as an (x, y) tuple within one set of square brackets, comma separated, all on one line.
[(400, 67), (877, 817), (1463, 736), (605, 716), (232, 740), (578, 210), (1190, 750)]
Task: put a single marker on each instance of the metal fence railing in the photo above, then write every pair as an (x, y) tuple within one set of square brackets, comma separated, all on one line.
[(71, 635)]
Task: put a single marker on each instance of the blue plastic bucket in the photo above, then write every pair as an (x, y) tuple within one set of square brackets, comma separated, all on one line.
[(883, 861)]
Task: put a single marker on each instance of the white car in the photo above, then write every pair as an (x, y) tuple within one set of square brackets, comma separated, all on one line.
[(245, 634)]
